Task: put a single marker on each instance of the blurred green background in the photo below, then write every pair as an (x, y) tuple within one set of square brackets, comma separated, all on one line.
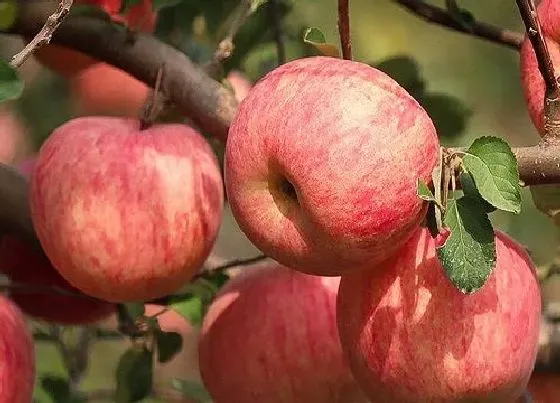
[(468, 80)]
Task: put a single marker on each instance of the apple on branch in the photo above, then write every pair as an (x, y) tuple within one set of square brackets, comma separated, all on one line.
[(270, 336), (411, 336), (126, 213), (322, 162)]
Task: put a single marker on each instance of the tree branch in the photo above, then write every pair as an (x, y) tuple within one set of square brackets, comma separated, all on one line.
[(278, 31), (439, 16), (210, 105), (344, 29), (44, 36)]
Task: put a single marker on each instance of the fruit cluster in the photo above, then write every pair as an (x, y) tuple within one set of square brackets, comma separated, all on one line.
[(321, 169)]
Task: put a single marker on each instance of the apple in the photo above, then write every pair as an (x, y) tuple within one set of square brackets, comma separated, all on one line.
[(13, 136), (270, 336), (17, 355), (322, 162), (240, 83), (69, 62), (102, 89), (126, 214), (531, 78), (24, 265), (411, 336)]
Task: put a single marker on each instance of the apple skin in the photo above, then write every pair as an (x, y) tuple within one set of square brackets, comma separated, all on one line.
[(411, 336), (126, 214), (240, 83), (68, 62), (270, 336), (17, 355), (531, 78), (102, 89), (321, 165)]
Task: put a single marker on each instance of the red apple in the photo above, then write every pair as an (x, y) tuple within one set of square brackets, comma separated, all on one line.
[(105, 90), (126, 214), (322, 162), (240, 83), (270, 336), (544, 387), (17, 355), (69, 62), (411, 336), (24, 265), (531, 78)]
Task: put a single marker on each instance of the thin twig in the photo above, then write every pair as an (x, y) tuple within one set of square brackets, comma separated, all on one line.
[(230, 264), (278, 31), (46, 33), (344, 28), (440, 16), (535, 34)]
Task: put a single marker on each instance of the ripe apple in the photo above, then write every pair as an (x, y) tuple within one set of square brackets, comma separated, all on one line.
[(411, 336), (24, 265), (102, 89), (126, 214), (531, 78), (270, 336), (240, 83), (321, 165), (17, 355), (69, 62)]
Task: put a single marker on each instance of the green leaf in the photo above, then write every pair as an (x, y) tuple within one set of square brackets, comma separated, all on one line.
[(469, 253), (135, 309), (188, 306), (493, 167), (168, 345), (424, 192), (11, 85), (191, 389), (470, 191), (547, 200), (134, 375), (127, 4), (316, 38), (8, 13), (449, 114), (56, 387)]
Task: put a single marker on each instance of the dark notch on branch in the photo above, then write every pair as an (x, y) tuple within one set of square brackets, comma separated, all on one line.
[(440, 16), (344, 28), (530, 18)]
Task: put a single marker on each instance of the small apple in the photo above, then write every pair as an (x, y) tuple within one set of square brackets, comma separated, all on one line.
[(322, 162), (126, 214), (531, 78), (270, 336), (13, 136), (411, 336), (17, 355), (102, 89), (24, 265)]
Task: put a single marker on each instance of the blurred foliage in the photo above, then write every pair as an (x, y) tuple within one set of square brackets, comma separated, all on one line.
[(469, 88)]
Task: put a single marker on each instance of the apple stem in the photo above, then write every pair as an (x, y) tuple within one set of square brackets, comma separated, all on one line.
[(344, 28), (154, 103)]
